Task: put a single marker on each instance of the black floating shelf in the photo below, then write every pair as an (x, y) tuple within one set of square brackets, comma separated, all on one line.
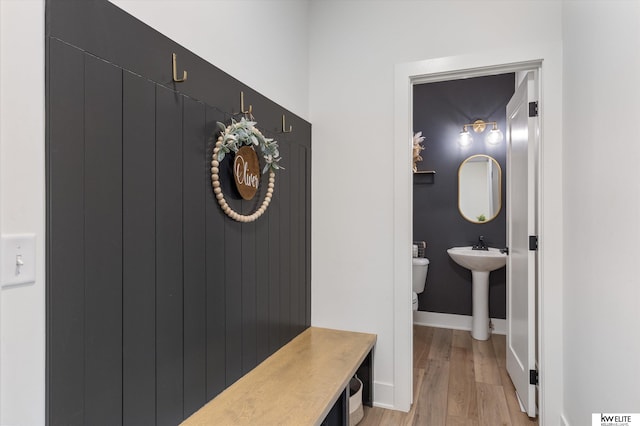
[(424, 176)]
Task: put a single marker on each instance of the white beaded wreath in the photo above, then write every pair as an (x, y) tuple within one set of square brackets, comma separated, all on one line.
[(215, 181)]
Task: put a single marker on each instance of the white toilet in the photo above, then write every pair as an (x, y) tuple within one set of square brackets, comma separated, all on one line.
[(419, 277)]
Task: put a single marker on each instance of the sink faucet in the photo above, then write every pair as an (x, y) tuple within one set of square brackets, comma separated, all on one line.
[(480, 245)]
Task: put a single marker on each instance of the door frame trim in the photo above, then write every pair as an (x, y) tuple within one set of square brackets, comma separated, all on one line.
[(547, 61)]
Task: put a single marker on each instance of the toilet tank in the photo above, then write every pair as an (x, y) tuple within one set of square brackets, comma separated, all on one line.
[(419, 273)]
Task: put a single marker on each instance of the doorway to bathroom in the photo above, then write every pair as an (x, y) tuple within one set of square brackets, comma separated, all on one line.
[(459, 190), (454, 111), (545, 60)]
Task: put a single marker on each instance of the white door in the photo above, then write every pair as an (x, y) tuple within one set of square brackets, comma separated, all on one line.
[(522, 148)]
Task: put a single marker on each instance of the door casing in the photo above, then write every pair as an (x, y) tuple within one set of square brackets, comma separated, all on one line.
[(546, 62)]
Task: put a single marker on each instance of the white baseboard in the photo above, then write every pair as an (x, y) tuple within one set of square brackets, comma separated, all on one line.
[(454, 321), (383, 395)]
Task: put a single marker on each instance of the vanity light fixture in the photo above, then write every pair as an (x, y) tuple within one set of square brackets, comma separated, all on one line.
[(465, 138), (494, 136)]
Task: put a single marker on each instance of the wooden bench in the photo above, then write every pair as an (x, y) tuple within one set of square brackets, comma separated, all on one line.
[(303, 383)]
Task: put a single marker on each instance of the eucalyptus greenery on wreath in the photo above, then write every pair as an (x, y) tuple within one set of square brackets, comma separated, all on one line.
[(231, 139), (244, 132)]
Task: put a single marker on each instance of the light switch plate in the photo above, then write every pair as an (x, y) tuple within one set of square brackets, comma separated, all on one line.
[(15, 249)]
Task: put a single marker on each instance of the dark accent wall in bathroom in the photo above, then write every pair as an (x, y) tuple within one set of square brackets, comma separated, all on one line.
[(156, 300), (440, 110)]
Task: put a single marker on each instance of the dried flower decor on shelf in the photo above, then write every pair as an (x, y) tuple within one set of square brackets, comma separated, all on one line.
[(417, 147)]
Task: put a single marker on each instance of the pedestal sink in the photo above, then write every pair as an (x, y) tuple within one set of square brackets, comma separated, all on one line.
[(481, 263)]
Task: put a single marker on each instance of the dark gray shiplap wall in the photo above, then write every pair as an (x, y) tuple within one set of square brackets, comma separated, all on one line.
[(156, 300), (439, 111)]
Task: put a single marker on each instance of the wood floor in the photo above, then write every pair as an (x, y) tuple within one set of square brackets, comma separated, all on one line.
[(457, 381)]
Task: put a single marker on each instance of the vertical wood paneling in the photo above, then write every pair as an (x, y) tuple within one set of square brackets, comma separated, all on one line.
[(156, 299), (169, 291), (275, 328), (65, 236), (233, 297), (194, 172), (285, 250), (138, 252), (103, 243), (262, 284), (215, 269), (249, 308), (293, 171), (306, 137), (302, 238)]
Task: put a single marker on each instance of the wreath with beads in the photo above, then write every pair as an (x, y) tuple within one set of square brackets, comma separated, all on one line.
[(231, 139)]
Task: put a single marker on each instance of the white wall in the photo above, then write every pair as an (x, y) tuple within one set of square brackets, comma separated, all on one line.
[(602, 208), (352, 110), (353, 47), (263, 44), (22, 309)]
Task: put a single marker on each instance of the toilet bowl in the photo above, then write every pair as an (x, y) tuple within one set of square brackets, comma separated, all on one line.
[(419, 278)]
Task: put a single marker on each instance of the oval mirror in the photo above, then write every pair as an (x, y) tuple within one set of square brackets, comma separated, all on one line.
[(479, 188)]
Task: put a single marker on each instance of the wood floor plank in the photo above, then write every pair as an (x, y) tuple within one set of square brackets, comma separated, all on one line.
[(485, 364), (461, 421), (372, 416), (423, 336), (431, 408), (418, 351), (492, 405), (461, 398), (418, 382), (518, 418), (392, 418), (500, 348), (461, 339), (441, 344), (420, 333), (452, 384)]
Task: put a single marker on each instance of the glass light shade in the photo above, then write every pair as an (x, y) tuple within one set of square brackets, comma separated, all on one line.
[(465, 138), (494, 137)]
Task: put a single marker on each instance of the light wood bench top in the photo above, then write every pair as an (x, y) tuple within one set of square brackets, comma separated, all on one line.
[(297, 385)]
